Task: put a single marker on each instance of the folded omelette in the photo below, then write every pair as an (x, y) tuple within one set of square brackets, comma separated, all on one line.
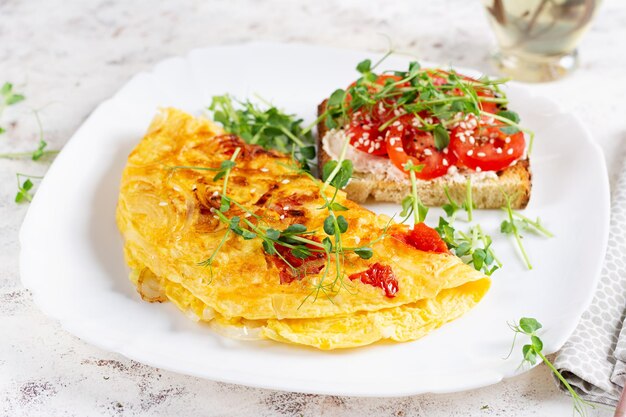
[(180, 246)]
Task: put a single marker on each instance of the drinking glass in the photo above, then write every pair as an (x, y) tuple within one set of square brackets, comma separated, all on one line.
[(537, 39)]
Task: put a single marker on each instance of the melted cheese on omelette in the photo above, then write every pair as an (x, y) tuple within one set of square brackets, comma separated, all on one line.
[(167, 217)]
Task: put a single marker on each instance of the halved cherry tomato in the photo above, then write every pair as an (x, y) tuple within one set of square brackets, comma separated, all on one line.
[(406, 142), (365, 135), (484, 146)]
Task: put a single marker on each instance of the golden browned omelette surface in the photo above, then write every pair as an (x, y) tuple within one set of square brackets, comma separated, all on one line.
[(167, 215)]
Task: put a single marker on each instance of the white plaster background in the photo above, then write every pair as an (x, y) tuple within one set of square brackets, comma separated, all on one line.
[(67, 56)]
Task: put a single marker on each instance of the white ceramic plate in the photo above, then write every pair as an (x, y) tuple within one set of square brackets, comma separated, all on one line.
[(72, 259)]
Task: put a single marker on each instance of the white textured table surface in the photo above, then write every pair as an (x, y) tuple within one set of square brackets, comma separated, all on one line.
[(67, 56)]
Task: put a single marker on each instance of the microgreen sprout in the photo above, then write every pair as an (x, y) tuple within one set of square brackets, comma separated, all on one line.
[(39, 153), (517, 222), (533, 351), (8, 98), (467, 246), (451, 207), (412, 204), (24, 188), (266, 126)]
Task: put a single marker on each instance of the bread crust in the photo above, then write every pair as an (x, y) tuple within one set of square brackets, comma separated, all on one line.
[(515, 181)]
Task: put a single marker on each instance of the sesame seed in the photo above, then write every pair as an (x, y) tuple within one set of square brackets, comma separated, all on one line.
[(428, 152), (282, 216), (445, 150), (400, 128), (445, 162), (377, 145), (396, 112), (507, 139), (396, 123), (393, 140), (510, 151), (367, 127), (163, 203), (366, 142), (400, 149), (285, 181), (478, 169), (470, 152), (264, 169), (286, 208), (481, 154), (194, 187), (176, 188), (215, 193), (252, 190), (472, 140), (498, 150)]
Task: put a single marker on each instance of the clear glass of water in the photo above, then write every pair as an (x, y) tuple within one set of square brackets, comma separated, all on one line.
[(537, 39)]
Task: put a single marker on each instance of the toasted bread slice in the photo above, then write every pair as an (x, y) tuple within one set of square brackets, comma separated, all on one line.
[(487, 193)]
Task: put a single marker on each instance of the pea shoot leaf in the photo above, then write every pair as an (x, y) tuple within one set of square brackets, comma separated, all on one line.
[(364, 66), (329, 225), (23, 192), (342, 177), (39, 152), (510, 115), (364, 253), (342, 223), (509, 130), (529, 325), (442, 137), (338, 207), (272, 234), (301, 252), (294, 229)]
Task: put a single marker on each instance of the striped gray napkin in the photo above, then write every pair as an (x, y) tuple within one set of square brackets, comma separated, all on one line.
[(593, 360)]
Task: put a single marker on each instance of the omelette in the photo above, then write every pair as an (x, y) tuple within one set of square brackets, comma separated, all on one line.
[(236, 236)]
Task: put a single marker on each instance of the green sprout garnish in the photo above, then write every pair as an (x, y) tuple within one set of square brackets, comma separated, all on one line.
[(474, 248), (8, 98), (534, 350), (412, 204), (266, 126), (38, 153), (515, 223), (24, 188)]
